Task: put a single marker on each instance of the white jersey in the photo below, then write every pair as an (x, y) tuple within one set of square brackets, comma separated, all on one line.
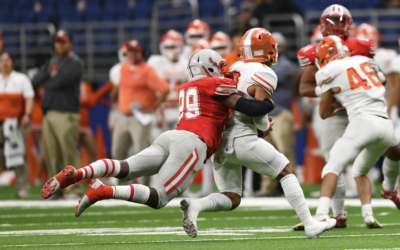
[(384, 58), (361, 90), (249, 74)]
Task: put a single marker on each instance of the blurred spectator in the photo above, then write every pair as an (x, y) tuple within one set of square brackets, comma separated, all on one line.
[(135, 89), (233, 56), (389, 4), (221, 43), (16, 104), (61, 77), (1, 41), (268, 7), (195, 31), (282, 136)]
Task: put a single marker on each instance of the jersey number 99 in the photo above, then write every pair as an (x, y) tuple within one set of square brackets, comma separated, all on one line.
[(189, 103)]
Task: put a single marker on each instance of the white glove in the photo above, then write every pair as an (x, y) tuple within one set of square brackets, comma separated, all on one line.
[(318, 91)]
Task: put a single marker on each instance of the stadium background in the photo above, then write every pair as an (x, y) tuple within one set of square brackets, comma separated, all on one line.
[(100, 26)]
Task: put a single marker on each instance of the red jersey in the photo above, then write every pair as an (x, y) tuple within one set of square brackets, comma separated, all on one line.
[(357, 47), (200, 113)]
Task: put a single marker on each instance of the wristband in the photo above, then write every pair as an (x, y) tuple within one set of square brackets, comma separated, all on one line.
[(318, 91)]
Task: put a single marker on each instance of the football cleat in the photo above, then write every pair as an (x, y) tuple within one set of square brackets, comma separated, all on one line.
[(189, 224), (318, 217), (59, 182), (373, 223), (318, 228), (341, 220), (97, 191), (392, 195)]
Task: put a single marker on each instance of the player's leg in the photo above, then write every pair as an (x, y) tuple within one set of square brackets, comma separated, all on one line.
[(391, 169)]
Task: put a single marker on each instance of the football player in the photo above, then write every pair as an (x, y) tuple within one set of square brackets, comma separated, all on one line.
[(176, 155), (335, 20), (354, 83), (388, 62), (221, 43), (195, 31), (172, 68), (241, 145)]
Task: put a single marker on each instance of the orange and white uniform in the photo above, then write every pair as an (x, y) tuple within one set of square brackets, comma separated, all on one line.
[(195, 31), (221, 43), (13, 91)]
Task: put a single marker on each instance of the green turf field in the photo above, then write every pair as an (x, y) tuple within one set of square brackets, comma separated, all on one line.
[(143, 228)]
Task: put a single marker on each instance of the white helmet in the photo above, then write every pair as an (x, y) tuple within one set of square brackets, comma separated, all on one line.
[(122, 51), (206, 62), (171, 45)]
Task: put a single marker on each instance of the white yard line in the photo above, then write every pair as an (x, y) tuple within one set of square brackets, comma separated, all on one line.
[(199, 240), (267, 203)]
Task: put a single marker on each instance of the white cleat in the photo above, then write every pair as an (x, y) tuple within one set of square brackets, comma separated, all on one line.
[(318, 228), (318, 217), (189, 224)]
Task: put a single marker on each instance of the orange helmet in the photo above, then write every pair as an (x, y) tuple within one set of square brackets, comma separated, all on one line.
[(221, 43), (258, 45), (331, 48), (197, 30), (316, 35), (171, 45), (201, 44), (368, 31)]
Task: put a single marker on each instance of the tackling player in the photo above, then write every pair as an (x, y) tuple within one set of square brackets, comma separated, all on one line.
[(176, 155), (241, 145), (171, 67), (354, 83), (335, 20)]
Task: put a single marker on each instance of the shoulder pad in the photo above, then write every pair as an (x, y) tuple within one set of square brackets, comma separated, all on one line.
[(266, 79), (306, 55), (361, 46)]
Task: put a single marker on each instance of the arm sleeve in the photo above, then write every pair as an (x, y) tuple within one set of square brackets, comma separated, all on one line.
[(225, 87), (261, 122), (115, 73), (325, 77), (69, 73), (42, 75), (155, 82), (254, 108), (306, 55), (365, 47), (266, 79), (28, 91)]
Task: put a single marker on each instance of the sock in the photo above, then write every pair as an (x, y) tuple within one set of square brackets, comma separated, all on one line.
[(295, 196), (323, 205), (206, 183), (366, 211), (135, 192), (338, 197), (215, 203), (98, 169), (390, 171)]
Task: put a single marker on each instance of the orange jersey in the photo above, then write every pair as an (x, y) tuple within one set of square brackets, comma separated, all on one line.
[(231, 58), (87, 100)]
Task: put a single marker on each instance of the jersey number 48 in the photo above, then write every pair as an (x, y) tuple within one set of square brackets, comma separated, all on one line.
[(356, 81), (189, 103)]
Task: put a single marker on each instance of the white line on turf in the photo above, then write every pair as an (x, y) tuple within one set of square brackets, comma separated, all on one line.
[(197, 240)]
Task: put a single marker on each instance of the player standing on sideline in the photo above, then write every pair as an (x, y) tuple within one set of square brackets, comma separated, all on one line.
[(388, 62), (176, 155), (335, 20), (195, 31), (353, 82), (221, 43), (241, 145), (171, 67)]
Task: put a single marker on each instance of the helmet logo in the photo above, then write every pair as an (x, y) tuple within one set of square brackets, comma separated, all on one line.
[(331, 51), (259, 52)]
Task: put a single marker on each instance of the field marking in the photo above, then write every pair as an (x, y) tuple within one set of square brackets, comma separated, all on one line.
[(268, 203), (200, 240)]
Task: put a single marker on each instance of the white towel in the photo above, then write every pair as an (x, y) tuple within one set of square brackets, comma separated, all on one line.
[(14, 146)]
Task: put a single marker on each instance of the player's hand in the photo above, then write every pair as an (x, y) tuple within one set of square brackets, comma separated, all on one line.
[(25, 120), (150, 109), (271, 124)]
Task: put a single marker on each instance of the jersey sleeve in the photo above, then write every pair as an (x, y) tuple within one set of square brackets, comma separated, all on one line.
[(395, 64), (28, 91), (325, 77), (224, 87), (115, 73), (306, 55), (384, 58), (362, 47), (155, 82), (266, 79)]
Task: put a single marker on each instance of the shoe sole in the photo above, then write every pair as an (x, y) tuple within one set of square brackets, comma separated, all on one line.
[(298, 227), (373, 224), (83, 204), (325, 230), (187, 223), (53, 186)]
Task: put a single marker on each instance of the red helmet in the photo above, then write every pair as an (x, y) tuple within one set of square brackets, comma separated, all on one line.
[(171, 45), (221, 43), (195, 31), (316, 36), (336, 20), (258, 45), (330, 48), (368, 31)]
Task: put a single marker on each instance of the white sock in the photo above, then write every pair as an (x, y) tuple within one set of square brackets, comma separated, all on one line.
[(215, 203), (366, 211), (100, 168), (338, 197), (207, 181), (295, 196), (323, 205), (135, 192), (390, 171)]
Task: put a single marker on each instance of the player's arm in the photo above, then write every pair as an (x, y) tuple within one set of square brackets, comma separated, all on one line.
[(252, 108), (326, 107), (325, 80), (393, 83), (308, 85)]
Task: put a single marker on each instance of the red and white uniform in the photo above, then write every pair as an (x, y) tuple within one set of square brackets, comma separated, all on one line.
[(200, 113)]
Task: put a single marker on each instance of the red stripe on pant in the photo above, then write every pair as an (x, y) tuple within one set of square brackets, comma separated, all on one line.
[(86, 173), (91, 169), (132, 192), (183, 178), (105, 162), (113, 169)]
